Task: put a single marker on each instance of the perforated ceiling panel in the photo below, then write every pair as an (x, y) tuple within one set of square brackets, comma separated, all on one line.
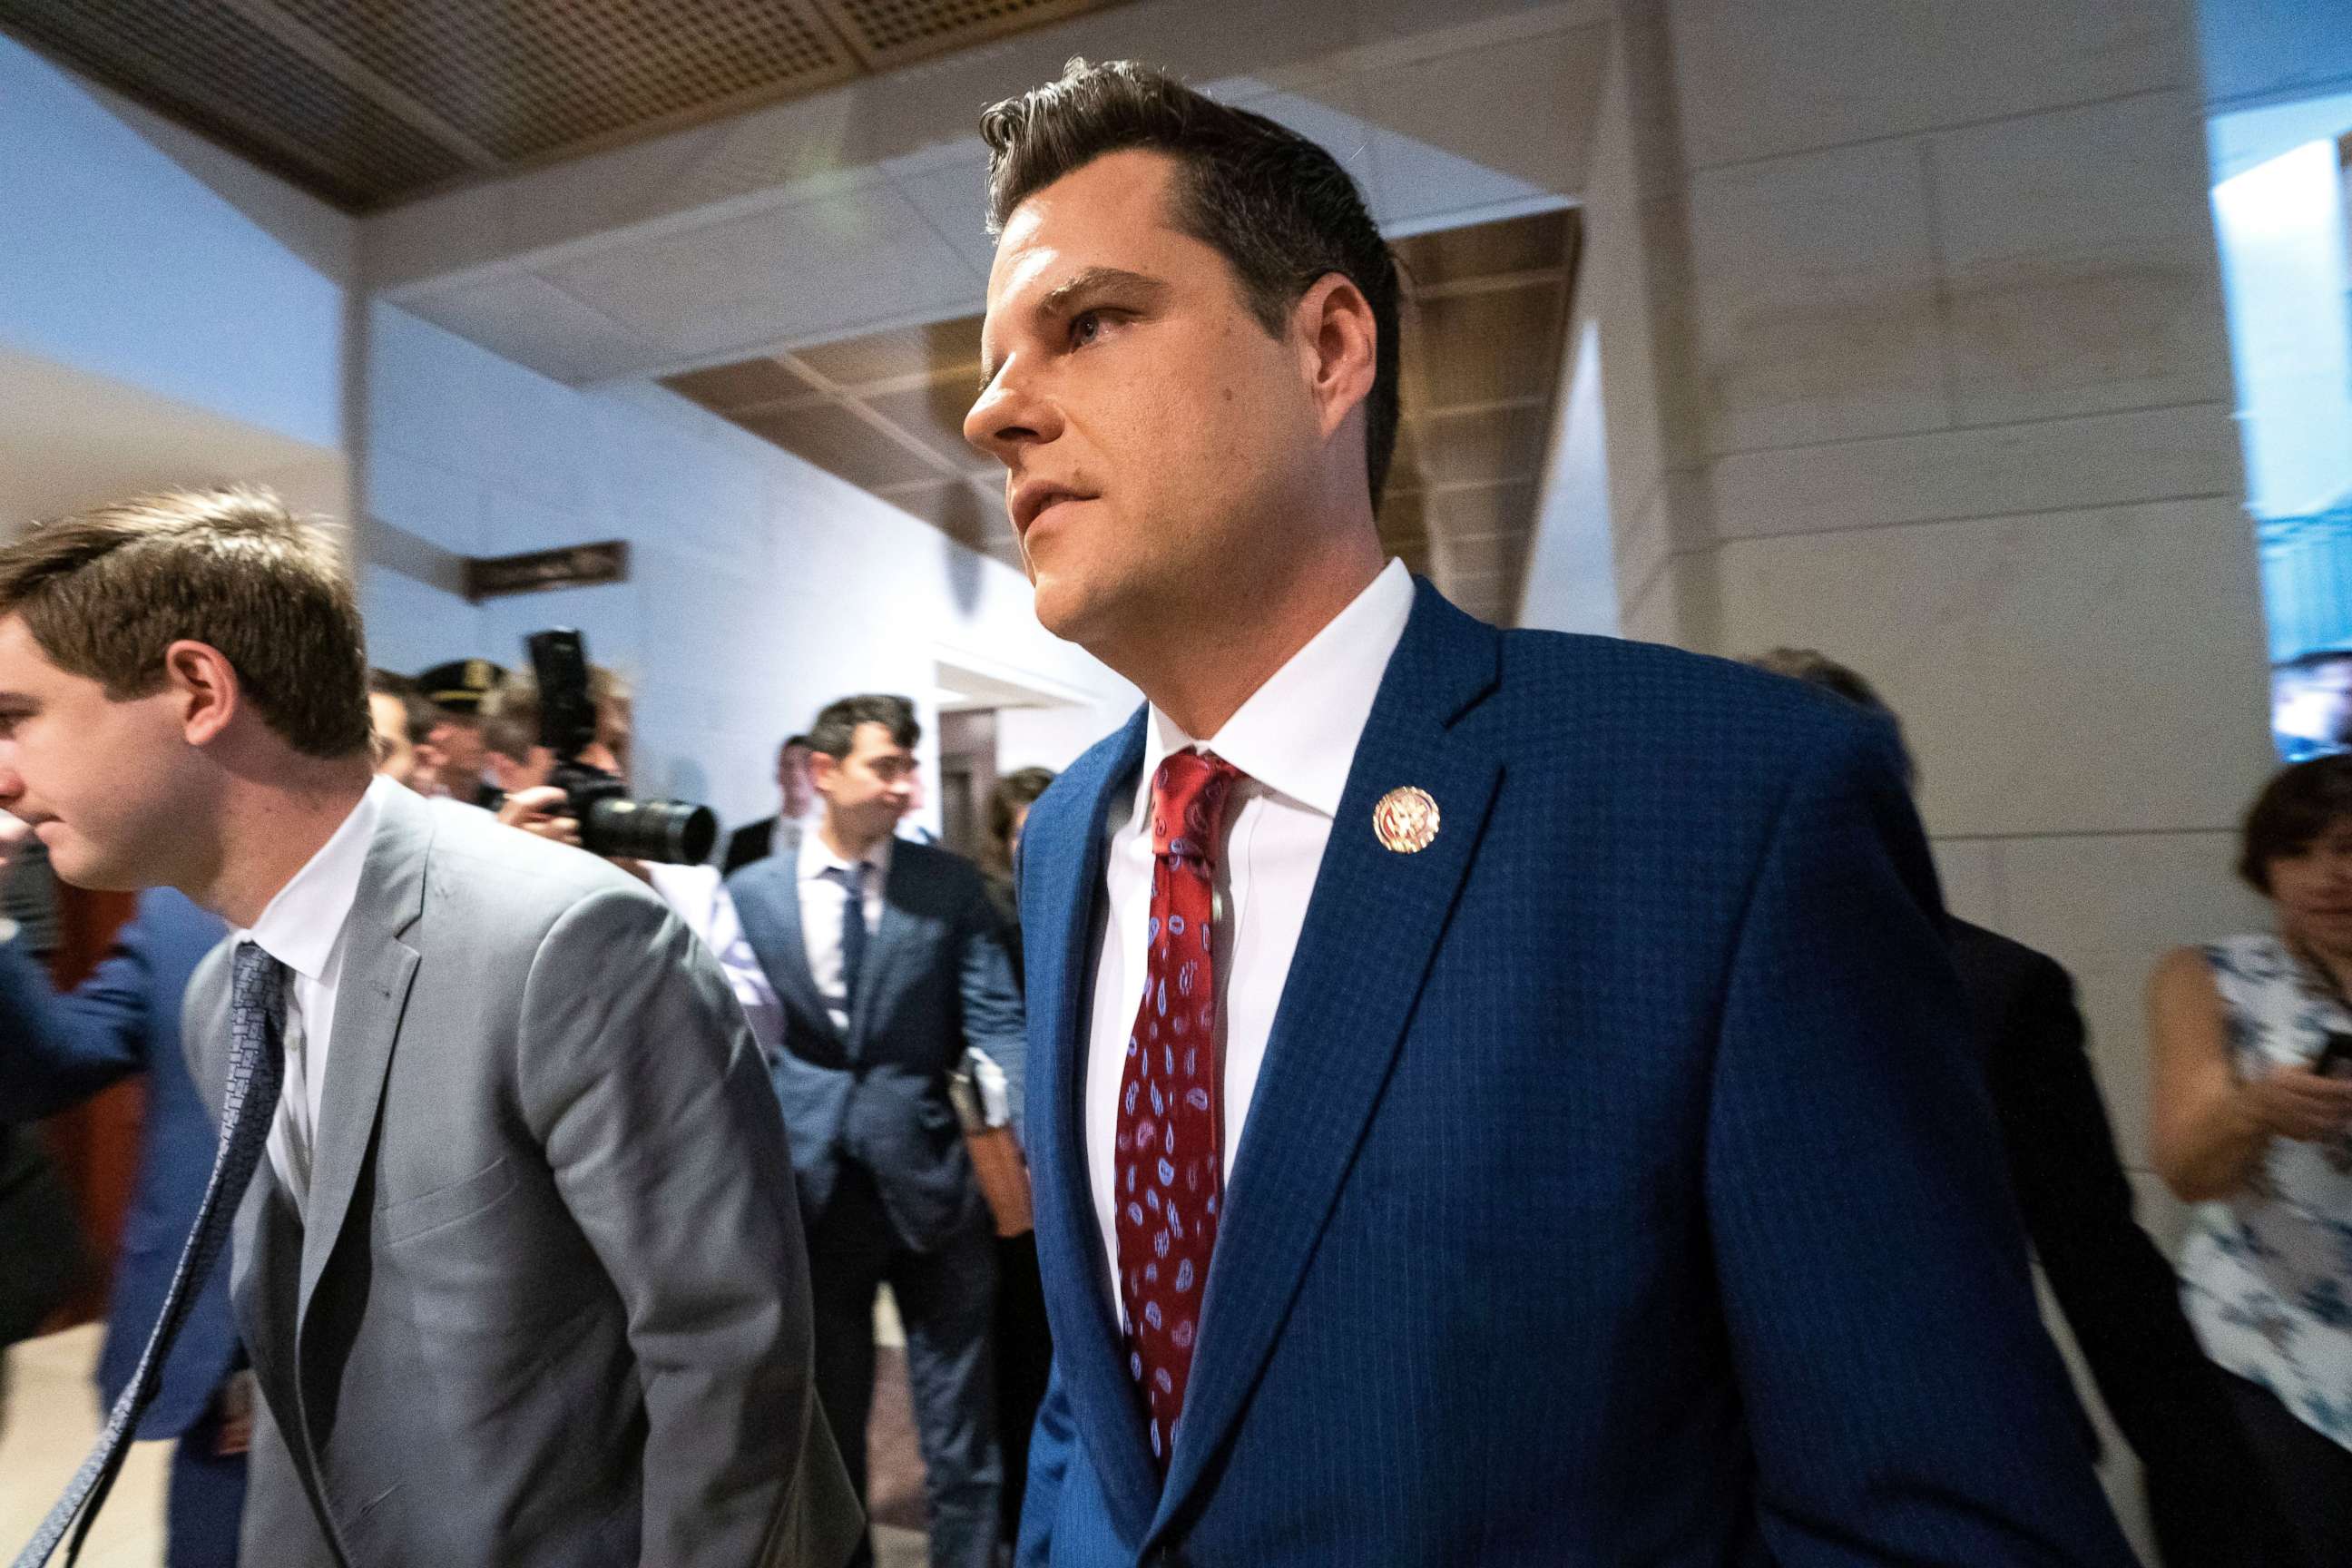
[(1485, 332), (525, 77), (890, 32), (369, 102), (209, 65)]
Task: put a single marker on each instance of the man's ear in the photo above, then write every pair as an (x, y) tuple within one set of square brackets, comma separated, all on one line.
[(204, 685), (1340, 347), (820, 769)]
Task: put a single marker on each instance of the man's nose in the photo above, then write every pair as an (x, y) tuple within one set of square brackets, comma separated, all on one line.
[(1006, 417)]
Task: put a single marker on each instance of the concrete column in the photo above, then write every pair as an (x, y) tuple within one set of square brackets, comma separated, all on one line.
[(1913, 353)]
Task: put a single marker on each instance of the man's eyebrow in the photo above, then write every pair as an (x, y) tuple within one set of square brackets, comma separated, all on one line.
[(1063, 296)]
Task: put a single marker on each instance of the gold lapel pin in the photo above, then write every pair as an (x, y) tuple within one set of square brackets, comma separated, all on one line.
[(1405, 820)]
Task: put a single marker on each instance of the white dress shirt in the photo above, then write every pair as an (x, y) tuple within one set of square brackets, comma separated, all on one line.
[(304, 928), (822, 899), (698, 895), (1296, 738)]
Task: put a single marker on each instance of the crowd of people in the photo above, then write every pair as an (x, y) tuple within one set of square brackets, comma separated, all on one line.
[(1480, 1097), (465, 735)]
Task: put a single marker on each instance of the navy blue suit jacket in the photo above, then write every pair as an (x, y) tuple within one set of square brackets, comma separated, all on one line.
[(935, 980), (1620, 1186), (59, 1050)]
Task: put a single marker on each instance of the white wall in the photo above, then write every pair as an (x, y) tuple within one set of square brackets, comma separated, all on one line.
[(759, 589), (130, 250)]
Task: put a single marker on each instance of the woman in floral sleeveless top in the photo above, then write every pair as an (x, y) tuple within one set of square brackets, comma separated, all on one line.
[(2252, 1124)]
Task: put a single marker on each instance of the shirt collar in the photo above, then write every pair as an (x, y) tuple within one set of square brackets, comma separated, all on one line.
[(302, 924), (817, 858), (1296, 734)]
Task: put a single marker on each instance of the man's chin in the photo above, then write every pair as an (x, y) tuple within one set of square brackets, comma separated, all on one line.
[(77, 866), (1068, 609)]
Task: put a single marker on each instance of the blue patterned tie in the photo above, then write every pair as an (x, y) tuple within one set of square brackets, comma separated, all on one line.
[(256, 1017)]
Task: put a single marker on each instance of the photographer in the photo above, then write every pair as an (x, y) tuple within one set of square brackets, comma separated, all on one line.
[(522, 763)]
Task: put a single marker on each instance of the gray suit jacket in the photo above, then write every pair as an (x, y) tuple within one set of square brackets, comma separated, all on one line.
[(551, 1306), (935, 980)]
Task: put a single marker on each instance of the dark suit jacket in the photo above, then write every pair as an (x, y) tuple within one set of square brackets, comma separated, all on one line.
[(2120, 1296), (57, 1051), (935, 980), (41, 1240), (753, 841), (1619, 1186)]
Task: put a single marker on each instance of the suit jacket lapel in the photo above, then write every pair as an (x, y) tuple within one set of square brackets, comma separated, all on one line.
[(1372, 929), (1063, 856), (770, 908), (377, 968), (890, 934)]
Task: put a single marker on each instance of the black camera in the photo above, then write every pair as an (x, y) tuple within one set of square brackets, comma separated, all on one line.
[(611, 824)]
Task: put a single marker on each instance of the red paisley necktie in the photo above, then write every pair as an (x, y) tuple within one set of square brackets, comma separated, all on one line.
[(1169, 1173)]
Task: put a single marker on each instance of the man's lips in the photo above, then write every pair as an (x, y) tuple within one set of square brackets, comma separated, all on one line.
[(1034, 499)]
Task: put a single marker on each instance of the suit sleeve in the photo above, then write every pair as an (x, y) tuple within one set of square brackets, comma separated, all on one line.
[(640, 1079), (57, 1051), (994, 1020), (1904, 1402)]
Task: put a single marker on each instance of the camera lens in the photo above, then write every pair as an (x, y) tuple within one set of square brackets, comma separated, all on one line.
[(671, 831)]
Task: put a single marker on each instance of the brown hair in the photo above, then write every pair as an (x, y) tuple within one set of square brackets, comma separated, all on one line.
[(2296, 807), (834, 734), (1277, 206), (1015, 790), (106, 592)]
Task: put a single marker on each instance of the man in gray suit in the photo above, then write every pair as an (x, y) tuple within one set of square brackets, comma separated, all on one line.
[(889, 962), (520, 1275)]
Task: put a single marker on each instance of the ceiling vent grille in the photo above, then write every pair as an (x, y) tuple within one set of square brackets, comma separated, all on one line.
[(887, 33), (213, 67), (370, 103), (524, 77)]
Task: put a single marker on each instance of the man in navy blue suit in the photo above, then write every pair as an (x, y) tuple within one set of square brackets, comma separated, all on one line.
[(885, 960), (1497, 1098), (57, 1050)]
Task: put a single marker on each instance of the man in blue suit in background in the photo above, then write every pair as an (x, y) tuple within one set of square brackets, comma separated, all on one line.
[(59, 1050), (887, 959), (1497, 1098)]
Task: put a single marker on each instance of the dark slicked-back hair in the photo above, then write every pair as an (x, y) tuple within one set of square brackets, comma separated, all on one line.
[(2295, 808), (834, 734), (1277, 206), (106, 592)]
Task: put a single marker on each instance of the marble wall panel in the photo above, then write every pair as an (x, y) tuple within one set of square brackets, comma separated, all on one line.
[(1760, 80), (2108, 907), (2093, 671), (2079, 256), (2044, 466), (1816, 298)]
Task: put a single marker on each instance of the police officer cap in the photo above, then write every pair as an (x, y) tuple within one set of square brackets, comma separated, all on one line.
[(460, 685)]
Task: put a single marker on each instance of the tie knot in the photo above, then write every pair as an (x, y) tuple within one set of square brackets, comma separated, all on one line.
[(852, 876), (1188, 795), (254, 981)]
